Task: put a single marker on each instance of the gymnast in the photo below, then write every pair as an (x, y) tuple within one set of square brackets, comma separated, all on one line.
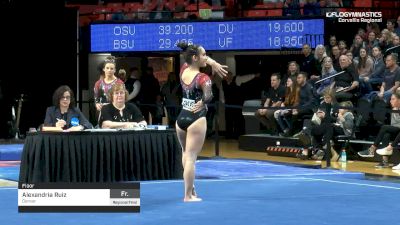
[(191, 124)]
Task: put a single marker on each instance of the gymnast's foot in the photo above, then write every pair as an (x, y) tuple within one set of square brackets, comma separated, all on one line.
[(192, 199)]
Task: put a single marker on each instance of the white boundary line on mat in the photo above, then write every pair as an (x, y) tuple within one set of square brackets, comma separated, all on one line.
[(260, 163), (274, 178), (224, 180), (352, 183)]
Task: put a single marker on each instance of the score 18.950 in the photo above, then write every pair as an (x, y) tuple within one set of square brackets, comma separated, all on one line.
[(286, 41)]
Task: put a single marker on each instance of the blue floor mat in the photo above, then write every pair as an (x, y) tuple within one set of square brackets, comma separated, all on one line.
[(9, 173), (239, 192), (273, 200), (11, 152), (231, 168)]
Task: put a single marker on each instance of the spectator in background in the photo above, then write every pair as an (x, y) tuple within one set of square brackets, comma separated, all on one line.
[(344, 122), (390, 24), (391, 80), (364, 69), (371, 42), (147, 6), (358, 43), (311, 8), (378, 69), (274, 98), (385, 133), (328, 6), (171, 93), (315, 130), (385, 41), (332, 42), (64, 114), (292, 98), (397, 29), (347, 83), (395, 45), (160, 11), (395, 144), (293, 70), (349, 55), (118, 15), (179, 10), (307, 60), (319, 55), (291, 8), (342, 47), (216, 2), (373, 27), (122, 75), (346, 3), (332, 6), (133, 86), (335, 57), (362, 33), (150, 96), (327, 70), (307, 101)]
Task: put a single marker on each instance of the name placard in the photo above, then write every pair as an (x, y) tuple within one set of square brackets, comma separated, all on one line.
[(79, 197)]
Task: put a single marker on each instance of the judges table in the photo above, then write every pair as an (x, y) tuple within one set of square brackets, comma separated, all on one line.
[(101, 156)]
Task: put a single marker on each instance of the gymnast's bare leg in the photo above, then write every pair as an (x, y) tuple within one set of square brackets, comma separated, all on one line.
[(192, 142), (182, 140)]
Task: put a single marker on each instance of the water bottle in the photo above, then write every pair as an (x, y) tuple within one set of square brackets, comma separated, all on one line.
[(343, 156)]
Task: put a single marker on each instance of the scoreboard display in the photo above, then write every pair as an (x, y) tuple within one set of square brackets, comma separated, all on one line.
[(212, 35)]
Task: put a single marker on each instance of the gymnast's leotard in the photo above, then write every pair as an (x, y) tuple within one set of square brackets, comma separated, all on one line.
[(198, 89)]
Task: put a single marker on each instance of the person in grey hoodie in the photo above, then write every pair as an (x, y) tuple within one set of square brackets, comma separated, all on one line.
[(345, 121)]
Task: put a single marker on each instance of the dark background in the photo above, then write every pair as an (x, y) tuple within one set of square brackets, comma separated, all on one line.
[(38, 57)]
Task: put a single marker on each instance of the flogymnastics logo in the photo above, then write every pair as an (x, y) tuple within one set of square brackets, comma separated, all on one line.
[(356, 17)]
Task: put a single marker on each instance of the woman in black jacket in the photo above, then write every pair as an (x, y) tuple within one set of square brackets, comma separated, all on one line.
[(63, 114)]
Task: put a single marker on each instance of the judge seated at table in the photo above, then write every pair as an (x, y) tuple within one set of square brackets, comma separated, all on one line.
[(121, 114), (63, 115)]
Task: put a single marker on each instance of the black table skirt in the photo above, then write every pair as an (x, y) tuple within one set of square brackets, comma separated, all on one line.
[(101, 156)]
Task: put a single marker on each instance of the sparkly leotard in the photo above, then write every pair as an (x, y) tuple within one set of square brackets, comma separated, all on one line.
[(198, 89)]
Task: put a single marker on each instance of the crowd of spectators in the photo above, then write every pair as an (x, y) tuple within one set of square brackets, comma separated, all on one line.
[(323, 90)]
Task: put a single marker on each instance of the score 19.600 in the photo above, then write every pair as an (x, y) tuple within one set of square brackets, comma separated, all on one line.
[(165, 43), (289, 27), (286, 41)]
